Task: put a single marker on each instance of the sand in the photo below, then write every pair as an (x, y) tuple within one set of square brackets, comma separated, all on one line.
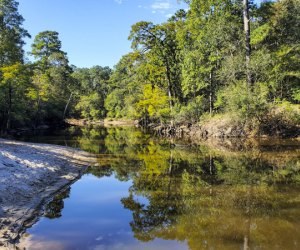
[(30, 175)]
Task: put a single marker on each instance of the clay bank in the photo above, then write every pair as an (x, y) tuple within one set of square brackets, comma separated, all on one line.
[(30, 174)]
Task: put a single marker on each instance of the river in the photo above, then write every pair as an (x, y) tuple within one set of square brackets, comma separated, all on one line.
[(154, 193)]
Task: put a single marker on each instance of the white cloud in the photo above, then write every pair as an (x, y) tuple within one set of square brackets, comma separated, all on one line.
[(164, 7), (159, 5), (119, 1)]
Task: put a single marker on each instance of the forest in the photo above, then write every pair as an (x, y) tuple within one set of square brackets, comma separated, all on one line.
[(220, 61)]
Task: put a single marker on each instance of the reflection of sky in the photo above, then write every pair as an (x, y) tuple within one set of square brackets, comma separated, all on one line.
[(93, 218)]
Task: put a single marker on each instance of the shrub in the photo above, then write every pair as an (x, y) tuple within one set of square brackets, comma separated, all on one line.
[(190, 113)]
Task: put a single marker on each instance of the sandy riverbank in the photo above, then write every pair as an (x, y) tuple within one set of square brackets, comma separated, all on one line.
[(30, 174), (105, 122)]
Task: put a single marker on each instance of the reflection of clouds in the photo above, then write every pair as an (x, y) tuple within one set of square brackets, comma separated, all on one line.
[(124, 240), (135, 245), (82, 221), (99, 238), (102, 197), (41, 243), (124, 232)]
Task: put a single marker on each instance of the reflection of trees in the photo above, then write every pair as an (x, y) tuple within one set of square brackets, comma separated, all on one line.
[(90, 139), (209, 199), (101, 171), (54, 208), (147, 220), (206, 197), (221, 216)]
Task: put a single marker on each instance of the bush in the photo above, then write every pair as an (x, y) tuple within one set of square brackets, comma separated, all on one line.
[(240, 100), (189, 113), (282, 119)]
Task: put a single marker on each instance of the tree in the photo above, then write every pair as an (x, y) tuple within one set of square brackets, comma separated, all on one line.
[(125, 86), (11, 33), (11, 57), (92, 90), (153, 105), (211, 35), (45, 44), (247, 39), (52, 78), (159, 41), (282, 39), (14, 86)]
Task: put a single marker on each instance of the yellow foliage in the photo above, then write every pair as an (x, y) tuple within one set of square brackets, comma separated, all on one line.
[(154, 101), (10, 72)]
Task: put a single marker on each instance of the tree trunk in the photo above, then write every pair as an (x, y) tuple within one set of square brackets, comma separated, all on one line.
[(211, 94), (170, 91), (37, 113), (169, 87), (67, 105), (8, 123), (246, 245), (247, 40), (170, 97), (210, 165)]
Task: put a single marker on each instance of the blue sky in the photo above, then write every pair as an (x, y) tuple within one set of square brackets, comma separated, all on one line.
[(93, 32)]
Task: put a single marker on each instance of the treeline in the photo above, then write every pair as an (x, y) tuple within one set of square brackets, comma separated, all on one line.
[(230, 59), (46, 91), (227, 58)]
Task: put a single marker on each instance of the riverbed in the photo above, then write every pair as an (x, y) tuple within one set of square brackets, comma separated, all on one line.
[(156, 193)]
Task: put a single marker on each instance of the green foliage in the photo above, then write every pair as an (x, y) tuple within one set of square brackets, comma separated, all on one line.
[(51, 79), (159, 44), (90, 89), (113, 103), (178, 71), (283, 41), (14, 87), (214, 36), (11, 33), (296, 95), (283, 117), (90, 107), (45, 44), (12, 83), (239, 100), (189, 113), (260, 34), (124, 87)]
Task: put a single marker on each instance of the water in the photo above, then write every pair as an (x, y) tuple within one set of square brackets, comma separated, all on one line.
[(151, 193)]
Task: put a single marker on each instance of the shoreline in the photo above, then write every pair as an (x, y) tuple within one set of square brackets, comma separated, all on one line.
[(106, 122), (196, 132), (219, 129), (211, 129), (31, 175)]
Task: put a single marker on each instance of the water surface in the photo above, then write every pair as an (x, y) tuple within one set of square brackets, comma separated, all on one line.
[(151, 193)]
